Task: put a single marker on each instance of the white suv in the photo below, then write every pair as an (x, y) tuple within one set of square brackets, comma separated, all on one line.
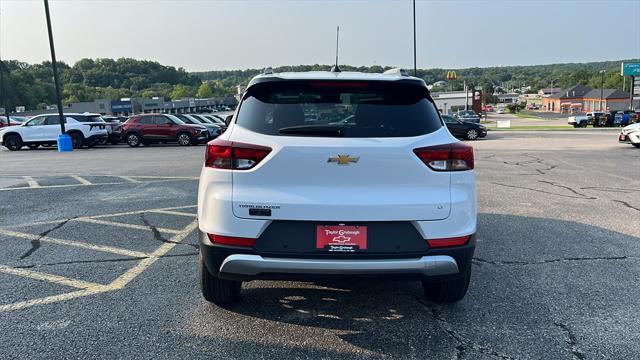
[(84, 129), (325, 174)]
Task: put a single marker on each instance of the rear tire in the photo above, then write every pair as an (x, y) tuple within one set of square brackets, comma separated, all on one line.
[(133, 140), (77, 140), (449, 291), (216, 290), (636, 145), (13, 142), (472, 134)]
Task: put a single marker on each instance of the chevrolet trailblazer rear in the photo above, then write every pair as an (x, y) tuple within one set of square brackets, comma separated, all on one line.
[(337, 174)]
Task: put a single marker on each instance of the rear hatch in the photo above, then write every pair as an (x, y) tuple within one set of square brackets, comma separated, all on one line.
[(340, 151)]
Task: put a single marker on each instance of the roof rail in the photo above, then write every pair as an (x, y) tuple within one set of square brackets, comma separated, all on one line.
[(267, 71), (397, 72)]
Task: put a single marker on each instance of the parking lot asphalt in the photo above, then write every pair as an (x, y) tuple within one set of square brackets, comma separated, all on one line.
[(100, 259)]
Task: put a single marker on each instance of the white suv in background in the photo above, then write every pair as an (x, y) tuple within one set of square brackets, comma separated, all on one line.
[(630, 134), (84, 129), (337, 174)]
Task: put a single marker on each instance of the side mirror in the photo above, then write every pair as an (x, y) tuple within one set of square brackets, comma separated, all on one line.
[(228, 119), (170, 123)]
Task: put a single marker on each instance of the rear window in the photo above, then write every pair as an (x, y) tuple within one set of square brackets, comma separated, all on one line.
[(338, 109), (87, 118)]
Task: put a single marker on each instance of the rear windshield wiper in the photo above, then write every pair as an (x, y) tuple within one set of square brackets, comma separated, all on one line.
[(321, 130)]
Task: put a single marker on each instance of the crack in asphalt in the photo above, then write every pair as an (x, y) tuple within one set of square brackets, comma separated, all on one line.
[(572, 341), (479, 261), (35, 243), (542, 191), (158, 236), (610, 189), (534, 160), (31, 266), (464, 345), (627, 205), (567, 188)]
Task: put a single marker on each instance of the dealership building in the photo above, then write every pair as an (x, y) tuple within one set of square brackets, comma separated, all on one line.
[(581, 98), (130, 106)]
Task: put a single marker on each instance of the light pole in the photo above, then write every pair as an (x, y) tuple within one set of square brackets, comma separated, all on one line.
[(64, 140), (415, 65), (601, 87)]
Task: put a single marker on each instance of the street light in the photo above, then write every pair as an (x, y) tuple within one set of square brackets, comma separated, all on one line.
[(64, 140)]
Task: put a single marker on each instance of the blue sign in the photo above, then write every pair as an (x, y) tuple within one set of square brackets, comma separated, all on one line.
[(120, 106), (631, 69)]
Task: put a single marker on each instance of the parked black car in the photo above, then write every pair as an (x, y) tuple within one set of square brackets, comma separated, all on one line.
[(468, 116), (213, 130), (464, 129)]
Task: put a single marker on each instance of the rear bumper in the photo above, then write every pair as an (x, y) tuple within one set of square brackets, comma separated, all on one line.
[(253, 265), (241, 263)]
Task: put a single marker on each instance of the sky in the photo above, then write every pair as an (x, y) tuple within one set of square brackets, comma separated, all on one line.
[(222, 35)]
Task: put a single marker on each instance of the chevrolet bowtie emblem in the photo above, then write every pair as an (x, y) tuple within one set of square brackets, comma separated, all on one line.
[(343, 159)]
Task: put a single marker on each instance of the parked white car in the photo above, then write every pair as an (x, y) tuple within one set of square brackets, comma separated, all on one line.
[(334, 174), (578, 121), (630, 134), (84, 130)]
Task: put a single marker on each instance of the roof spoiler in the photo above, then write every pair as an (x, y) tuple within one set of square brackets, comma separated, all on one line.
[(397, 72)]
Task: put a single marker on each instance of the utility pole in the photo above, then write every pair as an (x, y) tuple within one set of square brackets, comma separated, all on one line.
[(5, 94), (63, 140), (601, 87), (466, 96), (415, 64)]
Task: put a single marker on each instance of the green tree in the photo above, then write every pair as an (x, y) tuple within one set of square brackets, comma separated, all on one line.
[(181, 91), (204, 91)]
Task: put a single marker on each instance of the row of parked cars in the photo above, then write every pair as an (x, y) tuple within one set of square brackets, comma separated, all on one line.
[(92, 129), (604, 119)]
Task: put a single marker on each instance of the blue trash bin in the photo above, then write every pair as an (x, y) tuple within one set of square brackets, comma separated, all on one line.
[(64, 143)]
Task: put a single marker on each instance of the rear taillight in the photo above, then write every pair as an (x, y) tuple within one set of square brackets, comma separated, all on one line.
[(231, 240), (223, 154), (448, 157), (447, 242)]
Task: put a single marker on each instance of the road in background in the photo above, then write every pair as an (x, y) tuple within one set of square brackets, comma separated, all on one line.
[(100, 259)]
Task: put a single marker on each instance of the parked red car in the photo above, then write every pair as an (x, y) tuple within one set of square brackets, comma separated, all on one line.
[(147, 129), (13, 121)]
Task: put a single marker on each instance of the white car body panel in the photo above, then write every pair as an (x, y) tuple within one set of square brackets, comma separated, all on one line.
[(49, 133), (217, 212)]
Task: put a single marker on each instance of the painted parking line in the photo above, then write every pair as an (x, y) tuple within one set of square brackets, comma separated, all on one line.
[(169, 212), (81, 180), (134, 272), (135, 212), (90, 288), (124, 225), (31, 182), (52, 299), (56, 279), (39, 187), (78, 244), (74, 180), (129, 179)]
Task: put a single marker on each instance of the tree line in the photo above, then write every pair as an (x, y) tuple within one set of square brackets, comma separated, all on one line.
[(31, 85), (489, 78)]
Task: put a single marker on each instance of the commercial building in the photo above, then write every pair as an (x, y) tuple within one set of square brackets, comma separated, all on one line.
[(581, 98), (453, 101), (126, 107)]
